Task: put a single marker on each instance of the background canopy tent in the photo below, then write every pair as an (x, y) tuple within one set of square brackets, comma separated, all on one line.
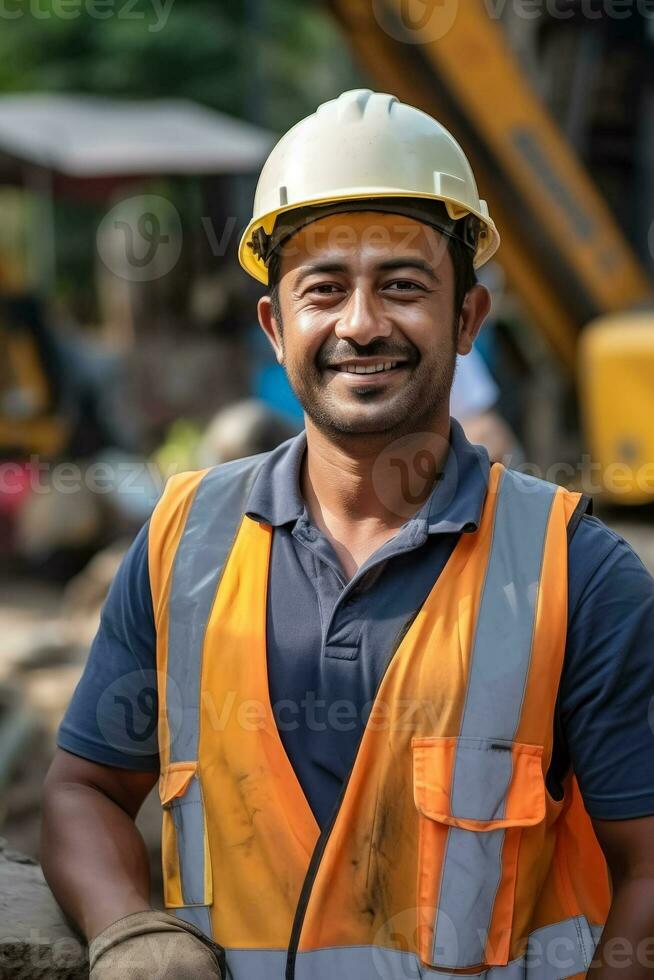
[(84, 138), (85, 147)]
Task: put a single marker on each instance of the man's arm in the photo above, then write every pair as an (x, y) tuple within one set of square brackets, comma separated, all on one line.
[(96, 864), (606, 696), (107, 761), (93, 856), (627, 945)]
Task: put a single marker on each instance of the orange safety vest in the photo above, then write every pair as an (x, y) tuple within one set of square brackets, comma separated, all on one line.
[(446, 855)]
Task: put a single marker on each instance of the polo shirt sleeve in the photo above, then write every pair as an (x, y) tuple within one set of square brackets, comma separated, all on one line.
[(607, 685), (112, 716)]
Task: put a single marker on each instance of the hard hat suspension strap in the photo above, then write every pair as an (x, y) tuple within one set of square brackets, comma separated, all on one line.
[(429, 212)]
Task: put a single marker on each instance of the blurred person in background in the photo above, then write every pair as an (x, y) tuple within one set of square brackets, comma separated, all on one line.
[(475, 394), (473, 403), (244, 428)]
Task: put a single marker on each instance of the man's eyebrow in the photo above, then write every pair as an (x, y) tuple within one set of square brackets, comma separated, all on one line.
[(399, 262), (315, 267), (410, 262)]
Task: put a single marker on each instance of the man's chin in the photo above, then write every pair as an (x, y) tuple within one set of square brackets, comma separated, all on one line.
[(394, 414), (369, 425)]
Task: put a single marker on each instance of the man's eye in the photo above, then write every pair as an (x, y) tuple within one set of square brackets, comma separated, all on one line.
[(324, 288), (403, 286)]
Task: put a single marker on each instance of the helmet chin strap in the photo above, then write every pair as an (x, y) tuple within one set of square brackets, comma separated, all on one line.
[(433, 213)]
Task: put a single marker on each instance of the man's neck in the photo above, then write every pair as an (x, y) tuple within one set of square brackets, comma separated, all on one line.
[(360, 491)]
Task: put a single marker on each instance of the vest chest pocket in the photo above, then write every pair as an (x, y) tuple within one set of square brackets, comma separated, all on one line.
[(185, 851), (474, 798)]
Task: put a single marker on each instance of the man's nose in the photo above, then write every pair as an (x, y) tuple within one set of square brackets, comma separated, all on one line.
[(362, 320)]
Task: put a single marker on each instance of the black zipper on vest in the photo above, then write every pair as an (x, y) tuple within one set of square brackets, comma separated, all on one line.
[(309, 879), (319, 849)]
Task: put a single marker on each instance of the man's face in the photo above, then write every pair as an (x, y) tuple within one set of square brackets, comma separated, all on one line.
[(362, 291)]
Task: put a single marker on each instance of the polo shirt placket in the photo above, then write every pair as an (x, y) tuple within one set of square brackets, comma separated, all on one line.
[(349, 629)]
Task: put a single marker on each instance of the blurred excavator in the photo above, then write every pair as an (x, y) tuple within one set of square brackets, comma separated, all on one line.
[(530, 94)]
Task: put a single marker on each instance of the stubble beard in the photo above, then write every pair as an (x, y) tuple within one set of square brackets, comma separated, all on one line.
[(421, 401)]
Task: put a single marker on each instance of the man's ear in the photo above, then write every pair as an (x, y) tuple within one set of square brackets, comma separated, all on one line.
[(270, 327), (476, 307)]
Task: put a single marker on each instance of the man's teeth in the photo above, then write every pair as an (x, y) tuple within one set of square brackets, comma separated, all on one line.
[(368, 368)]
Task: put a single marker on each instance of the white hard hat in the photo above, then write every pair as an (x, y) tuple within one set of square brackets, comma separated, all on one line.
[(359, 147)]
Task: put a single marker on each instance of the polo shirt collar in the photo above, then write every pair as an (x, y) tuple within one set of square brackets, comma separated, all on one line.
[(455, 504), (457, 500), (275, 496)]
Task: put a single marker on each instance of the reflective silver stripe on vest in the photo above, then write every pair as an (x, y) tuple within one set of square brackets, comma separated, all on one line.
[(553, 952), (211, 527), (209, 533), (188, 816), (196, 915), (498, 674)]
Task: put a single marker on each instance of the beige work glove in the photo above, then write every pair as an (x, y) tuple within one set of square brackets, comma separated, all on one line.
[(154, 945)]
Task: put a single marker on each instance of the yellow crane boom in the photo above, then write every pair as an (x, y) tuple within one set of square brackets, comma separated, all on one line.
[(562, 249)]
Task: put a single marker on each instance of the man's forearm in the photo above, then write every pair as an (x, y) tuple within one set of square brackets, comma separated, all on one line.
[(627, 946), (93, 857)]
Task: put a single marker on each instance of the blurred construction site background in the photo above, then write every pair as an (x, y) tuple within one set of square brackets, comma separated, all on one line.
[(131, 135)]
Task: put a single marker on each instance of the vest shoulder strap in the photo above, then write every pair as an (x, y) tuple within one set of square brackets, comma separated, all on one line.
[(574, 503), (192, 532), (193, 508)]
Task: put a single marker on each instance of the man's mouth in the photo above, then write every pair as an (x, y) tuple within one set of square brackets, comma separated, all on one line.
[(366, 367)]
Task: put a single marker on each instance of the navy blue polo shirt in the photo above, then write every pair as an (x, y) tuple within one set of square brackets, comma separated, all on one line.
[(329, 640)]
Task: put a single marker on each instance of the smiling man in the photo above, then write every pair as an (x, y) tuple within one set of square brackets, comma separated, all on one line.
[(377, 379), (391, 379), (399, 694)]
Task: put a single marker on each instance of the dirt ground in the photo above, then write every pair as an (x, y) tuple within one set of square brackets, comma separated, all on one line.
[(46, 632)]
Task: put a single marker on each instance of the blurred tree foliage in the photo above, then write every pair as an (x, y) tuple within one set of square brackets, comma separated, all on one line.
[(269, 61)]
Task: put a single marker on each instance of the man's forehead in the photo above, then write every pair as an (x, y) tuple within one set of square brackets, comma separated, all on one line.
[(364, 237)]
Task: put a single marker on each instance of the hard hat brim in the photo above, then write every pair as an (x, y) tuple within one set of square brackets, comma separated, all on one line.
[(489, 238)]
